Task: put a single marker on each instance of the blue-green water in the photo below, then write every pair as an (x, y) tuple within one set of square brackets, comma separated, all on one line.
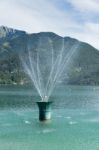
[(74, 125)]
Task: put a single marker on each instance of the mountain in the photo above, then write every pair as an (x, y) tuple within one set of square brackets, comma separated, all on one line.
[(83, 71)]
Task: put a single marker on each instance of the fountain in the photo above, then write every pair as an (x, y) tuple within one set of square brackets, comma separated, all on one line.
[(45, 64)]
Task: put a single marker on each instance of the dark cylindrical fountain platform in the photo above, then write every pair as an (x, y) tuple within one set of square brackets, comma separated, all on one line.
[(44, 110)]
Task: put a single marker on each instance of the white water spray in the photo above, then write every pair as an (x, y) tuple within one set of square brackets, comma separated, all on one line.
[(45, 65)]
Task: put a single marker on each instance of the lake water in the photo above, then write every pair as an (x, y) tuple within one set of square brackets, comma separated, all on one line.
[(74, 124)]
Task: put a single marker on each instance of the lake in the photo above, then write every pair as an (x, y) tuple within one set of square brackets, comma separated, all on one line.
[(74, 124)]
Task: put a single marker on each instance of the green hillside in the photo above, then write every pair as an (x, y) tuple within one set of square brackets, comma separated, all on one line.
[(83, 70)]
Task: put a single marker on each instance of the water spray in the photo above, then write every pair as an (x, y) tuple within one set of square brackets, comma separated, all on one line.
[(45, 70)]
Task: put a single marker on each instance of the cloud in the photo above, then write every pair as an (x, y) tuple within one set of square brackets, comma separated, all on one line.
[(64, 17), (91, 34), (85, 5), (34, 15)]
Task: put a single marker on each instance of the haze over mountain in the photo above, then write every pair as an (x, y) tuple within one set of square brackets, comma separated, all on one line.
[(84, 69)]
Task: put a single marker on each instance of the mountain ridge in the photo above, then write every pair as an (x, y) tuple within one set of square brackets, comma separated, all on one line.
[(85, 69)]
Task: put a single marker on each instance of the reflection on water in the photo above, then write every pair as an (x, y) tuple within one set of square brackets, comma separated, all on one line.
[(74, 124), (72, 131), (63, 97)]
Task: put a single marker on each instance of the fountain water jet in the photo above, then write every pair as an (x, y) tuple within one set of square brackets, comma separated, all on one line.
[(45, 66)]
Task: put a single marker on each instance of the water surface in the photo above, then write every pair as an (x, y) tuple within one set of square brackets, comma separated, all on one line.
[(74, 125)]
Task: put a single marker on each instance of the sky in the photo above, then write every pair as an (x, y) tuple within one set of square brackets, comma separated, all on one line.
[(75, 18)]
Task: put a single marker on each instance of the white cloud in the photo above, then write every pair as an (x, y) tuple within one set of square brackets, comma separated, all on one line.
[(36, 16), (85, 5), (89, 34), (93, 27), (44, 15)]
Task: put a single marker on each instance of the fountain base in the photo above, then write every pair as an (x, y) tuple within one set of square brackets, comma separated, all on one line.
[(44, 110)]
